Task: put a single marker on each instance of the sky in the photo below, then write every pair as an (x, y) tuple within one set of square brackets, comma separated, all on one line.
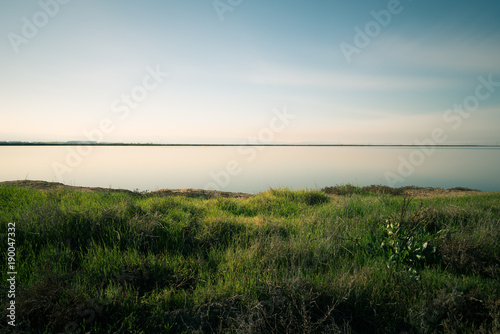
[(246, 71)]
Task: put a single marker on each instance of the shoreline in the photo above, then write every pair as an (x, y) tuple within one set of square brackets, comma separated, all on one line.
[(335, 191), (243, 144)]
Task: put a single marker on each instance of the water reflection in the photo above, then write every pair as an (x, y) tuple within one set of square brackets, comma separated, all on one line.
[(250, 169)]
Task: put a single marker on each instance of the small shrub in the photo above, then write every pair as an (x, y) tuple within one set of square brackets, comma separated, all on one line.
[(406, 239)]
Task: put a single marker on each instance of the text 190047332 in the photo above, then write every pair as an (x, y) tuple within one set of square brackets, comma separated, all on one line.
[(11, 273)]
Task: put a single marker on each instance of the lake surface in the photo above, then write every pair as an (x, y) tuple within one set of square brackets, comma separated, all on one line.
[(252, 169)]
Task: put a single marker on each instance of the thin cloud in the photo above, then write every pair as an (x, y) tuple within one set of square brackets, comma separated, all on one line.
[(466, 54), (283, 76)]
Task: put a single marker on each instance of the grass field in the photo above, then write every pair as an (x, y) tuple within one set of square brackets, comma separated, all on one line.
[(342, 260)]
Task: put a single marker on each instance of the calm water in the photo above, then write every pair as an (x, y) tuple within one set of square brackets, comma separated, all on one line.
[(252, 169)]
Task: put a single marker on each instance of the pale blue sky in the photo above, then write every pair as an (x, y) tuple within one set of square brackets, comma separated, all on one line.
[(227, 76)]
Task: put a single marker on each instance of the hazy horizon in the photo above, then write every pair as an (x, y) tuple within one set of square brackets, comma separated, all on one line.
[(243, 142), (364, 72)]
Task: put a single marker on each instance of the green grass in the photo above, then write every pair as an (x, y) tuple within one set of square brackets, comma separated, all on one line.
[(282, 261)]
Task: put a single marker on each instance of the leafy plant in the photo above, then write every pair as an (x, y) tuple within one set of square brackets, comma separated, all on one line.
[(406, 239)]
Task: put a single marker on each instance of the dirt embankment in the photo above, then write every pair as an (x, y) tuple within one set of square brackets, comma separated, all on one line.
[(200, 193), (412, 191), (438, 192), (44, 185)]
